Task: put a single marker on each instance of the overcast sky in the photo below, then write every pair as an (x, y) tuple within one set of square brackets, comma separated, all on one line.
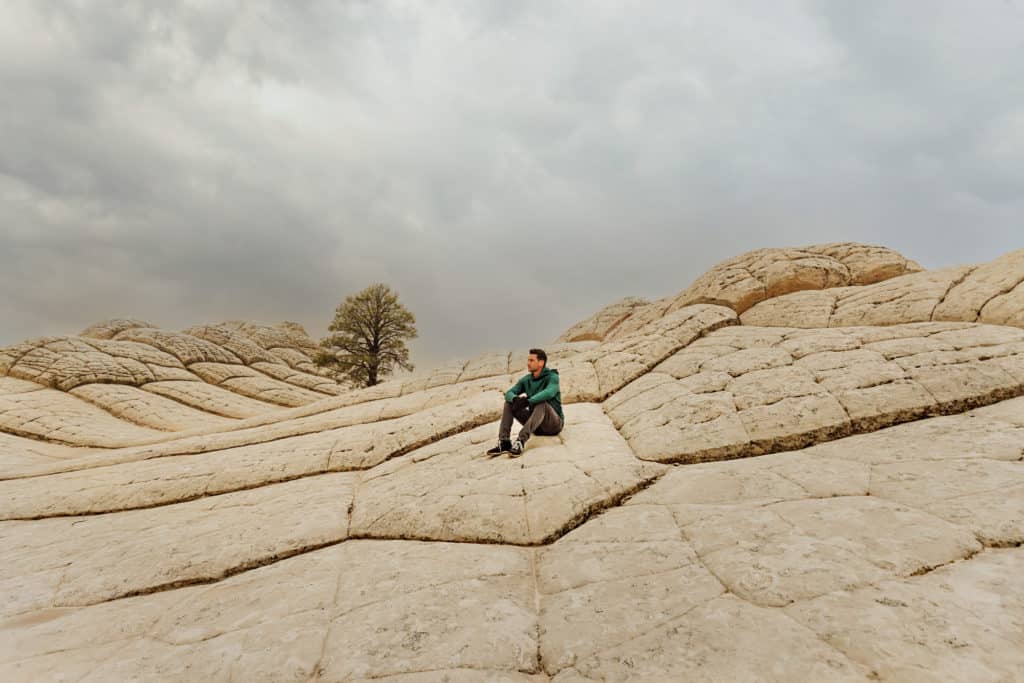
[(508, 167)]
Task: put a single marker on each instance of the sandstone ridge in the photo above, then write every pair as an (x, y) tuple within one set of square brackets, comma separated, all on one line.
[(812, 451)]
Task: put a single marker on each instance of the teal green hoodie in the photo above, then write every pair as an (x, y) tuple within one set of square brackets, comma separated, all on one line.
[(543, 388)]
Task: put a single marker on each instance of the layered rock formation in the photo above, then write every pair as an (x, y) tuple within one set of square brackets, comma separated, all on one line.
[(809, 465), (153, 381)]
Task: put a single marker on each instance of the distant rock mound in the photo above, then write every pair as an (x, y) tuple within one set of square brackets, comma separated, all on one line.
[(988, 293), (602, 323), (744, 281), (108, 329)]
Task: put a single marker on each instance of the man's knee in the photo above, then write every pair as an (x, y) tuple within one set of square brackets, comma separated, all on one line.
[(547, 408), (552, 423)]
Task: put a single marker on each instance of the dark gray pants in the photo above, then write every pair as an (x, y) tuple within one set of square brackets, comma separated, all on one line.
[(541, 419)]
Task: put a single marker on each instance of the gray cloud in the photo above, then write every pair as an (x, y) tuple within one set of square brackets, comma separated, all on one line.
[(508, 167)]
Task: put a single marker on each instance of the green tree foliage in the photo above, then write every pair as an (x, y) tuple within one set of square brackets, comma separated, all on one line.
[(366, 340)]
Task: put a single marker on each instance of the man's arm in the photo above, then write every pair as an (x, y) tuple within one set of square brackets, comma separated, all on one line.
[(516, 389), (547, 393)]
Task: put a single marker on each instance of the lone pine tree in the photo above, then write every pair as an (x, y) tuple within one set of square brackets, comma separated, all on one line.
[(366, 340)]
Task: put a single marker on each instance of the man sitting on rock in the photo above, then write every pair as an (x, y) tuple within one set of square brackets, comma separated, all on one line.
[(539, 411)]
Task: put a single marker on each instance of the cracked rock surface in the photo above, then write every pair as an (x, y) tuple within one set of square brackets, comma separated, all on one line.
[(809, 465), (745, 390), (451, 490)]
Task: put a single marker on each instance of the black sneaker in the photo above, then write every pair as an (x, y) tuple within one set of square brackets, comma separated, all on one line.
[(517, 449), (504, 446)]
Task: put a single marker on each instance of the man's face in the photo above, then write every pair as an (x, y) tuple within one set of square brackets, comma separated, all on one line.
[(533, 364)]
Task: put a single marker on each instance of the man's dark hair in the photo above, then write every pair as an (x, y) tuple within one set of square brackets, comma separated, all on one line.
[(540, 355)]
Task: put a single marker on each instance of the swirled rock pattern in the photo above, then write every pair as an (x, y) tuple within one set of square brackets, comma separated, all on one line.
[(809, 465), (145, 377)]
